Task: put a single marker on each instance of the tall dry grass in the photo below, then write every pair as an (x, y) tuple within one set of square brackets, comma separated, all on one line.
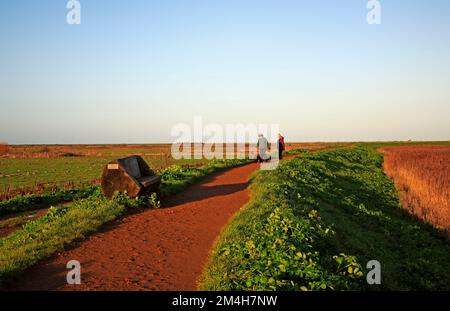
[(422, 176)]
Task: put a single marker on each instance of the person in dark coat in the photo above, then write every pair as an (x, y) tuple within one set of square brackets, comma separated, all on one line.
[(281, 146)]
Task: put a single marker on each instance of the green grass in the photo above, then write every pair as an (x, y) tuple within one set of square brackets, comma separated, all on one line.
[(327, 146), (58, 170), (61, 226), (36, 201), (17, 220), (376, 145), (176, 177), (295, 151), (316, 221), (26, 172)]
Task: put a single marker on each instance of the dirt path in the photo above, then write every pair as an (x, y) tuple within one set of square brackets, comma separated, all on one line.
[(159, 249)]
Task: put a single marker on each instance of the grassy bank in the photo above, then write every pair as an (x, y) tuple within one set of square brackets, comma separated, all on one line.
[(42, 237), (315, 222), (31, 202)]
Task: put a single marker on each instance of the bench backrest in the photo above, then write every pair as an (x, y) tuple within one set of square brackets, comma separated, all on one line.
[(131, 165)]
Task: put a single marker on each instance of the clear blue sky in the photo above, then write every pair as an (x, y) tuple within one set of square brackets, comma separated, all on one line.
[(133, 69)]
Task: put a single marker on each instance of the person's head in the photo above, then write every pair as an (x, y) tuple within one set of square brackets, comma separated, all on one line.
[(260, 135), (280, 136)]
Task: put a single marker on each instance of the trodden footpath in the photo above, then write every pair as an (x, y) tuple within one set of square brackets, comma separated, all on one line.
[(157, 249)]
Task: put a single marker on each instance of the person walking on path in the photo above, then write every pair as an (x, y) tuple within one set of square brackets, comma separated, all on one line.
[(263, 146), (281, 146)]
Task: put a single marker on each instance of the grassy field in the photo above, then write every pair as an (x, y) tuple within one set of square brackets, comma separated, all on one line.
[(315, 222), (27, 172)]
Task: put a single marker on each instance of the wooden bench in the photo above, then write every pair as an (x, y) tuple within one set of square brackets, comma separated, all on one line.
[(131, 174)]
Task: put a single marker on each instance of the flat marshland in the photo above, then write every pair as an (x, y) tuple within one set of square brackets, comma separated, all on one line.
[(313, 223)]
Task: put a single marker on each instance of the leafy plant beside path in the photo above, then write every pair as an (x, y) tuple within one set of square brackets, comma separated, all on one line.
[(315, 222)]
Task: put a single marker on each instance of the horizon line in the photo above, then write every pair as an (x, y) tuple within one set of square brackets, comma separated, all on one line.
[(212, 143)]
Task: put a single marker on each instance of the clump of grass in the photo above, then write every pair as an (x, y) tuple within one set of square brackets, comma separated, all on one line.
[(11, 224), (176, 177), (316, 221), (42, 188), (296, 150), (35, 201)]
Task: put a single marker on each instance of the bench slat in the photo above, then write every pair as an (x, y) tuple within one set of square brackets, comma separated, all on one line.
[(149, 180)]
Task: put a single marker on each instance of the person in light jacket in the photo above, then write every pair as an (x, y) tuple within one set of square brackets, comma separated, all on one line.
[(263, 147)]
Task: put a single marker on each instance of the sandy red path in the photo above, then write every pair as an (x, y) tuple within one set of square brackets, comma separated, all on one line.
[(158, 249)]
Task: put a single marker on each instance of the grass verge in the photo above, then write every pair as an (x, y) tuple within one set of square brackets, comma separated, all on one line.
[(31, 202), (316, 221), (41, 238)]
